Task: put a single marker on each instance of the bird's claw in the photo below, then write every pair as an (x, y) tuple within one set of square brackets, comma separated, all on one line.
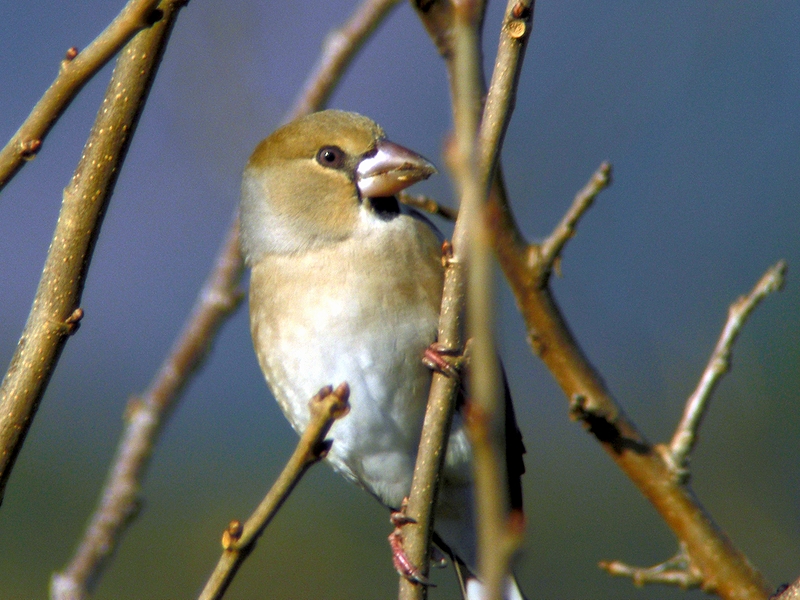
[(399, 518), (444, 360), (402, 563)]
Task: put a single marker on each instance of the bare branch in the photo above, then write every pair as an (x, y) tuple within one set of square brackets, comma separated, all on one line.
[(145, 417), (437, 16), (685, 435), (440, 20), (678, 571), (502, 94), (436, 426), (76, 70), (238, 540), (428, 205), (514, 35), (484, 412), (550, 249), (53, 317), (216, 301), (725, 570)]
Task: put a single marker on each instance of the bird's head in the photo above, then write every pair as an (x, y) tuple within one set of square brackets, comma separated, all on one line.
[(309, 182)]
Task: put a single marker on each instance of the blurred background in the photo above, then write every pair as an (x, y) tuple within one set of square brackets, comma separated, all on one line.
[(696, 104)]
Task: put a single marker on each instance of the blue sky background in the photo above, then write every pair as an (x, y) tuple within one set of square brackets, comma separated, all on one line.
[(696, 105)]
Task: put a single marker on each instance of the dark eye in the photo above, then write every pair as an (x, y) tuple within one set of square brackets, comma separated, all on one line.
[(330, 156)]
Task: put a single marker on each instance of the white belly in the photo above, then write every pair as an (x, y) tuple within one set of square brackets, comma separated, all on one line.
[(318, 320), (376, 443)]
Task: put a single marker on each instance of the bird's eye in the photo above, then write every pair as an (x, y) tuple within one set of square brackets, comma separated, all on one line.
[(330, 156)]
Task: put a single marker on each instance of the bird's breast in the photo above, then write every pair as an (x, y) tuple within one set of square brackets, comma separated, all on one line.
[(360, 311)]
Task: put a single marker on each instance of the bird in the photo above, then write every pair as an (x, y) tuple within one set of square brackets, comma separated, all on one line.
[(346, 286)]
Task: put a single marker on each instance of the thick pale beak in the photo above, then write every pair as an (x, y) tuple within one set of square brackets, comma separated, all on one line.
[(392, 168)]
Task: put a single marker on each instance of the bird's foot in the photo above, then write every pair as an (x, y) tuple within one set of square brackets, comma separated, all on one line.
[(402, 563), (444, 360)]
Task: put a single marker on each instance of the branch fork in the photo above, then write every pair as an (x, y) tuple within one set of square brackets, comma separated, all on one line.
[(677, 570), (75, 70), (682, 569), (544, 258)]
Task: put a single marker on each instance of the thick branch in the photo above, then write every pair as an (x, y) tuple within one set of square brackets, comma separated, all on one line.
[(239, 540), (215, 303), (53, 317), (76, 70), (725, 570), (686, 433)]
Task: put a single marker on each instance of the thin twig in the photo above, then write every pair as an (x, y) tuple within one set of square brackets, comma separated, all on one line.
[(55, 312), (686, 433), (437, 17), (435, 429), (500, 100), (725, 570), (499, 537), (428, 205), (76, 70), (550, 249), (216, 301), (502, 94), (677, 571), (238, 540)]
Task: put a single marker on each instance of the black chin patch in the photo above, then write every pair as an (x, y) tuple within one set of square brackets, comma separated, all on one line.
[(385, 207)]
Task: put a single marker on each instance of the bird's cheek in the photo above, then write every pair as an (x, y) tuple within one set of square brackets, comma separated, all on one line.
[(329, 206)]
